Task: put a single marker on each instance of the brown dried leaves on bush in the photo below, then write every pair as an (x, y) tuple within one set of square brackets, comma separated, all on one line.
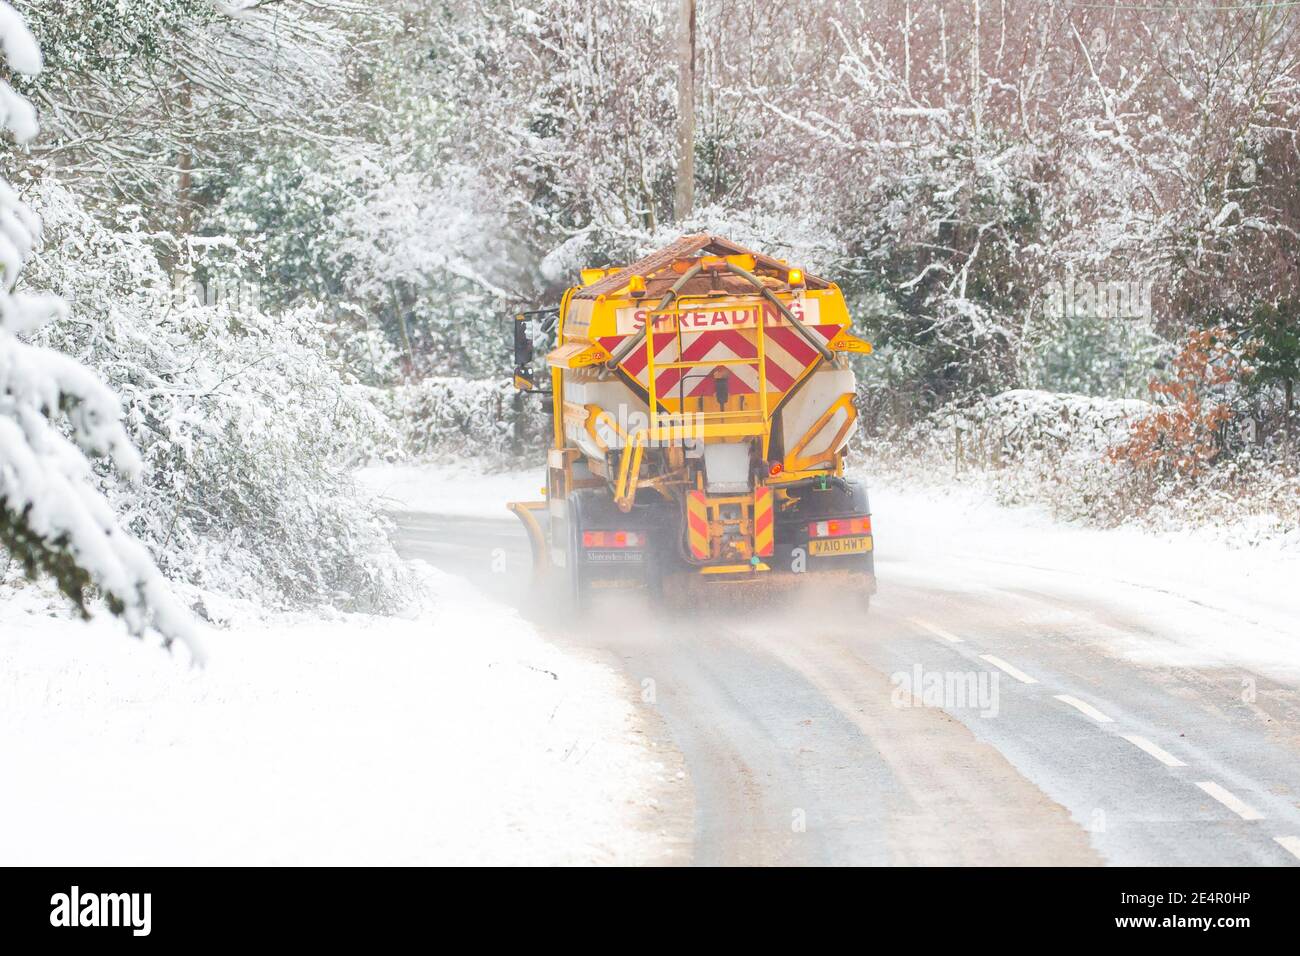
[(1183, 436)]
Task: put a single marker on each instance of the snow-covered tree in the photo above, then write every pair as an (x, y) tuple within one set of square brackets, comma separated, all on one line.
[(151, 100), (53, 413), (570, 107), (248, 425)]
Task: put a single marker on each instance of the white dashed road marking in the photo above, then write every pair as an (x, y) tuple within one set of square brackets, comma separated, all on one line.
[(937, 631), (1164, 756), (1231, 801), (1083, 708), (1002, 665)]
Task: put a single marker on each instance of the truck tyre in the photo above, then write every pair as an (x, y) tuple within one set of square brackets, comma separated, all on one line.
[(577, 594)]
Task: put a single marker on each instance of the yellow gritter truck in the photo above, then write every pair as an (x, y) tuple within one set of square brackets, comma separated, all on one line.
[(701, 404)]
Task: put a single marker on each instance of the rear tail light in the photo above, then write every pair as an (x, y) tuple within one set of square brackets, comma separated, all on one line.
[(838, 527), (613, 539)]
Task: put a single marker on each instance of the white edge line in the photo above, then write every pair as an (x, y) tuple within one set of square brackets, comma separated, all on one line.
[(1230, 800), (1015, 672), (1291, 844), (938, 631), (1164, 756), (1083, 708)]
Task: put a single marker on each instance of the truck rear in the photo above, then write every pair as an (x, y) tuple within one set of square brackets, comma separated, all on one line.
[(701, 404)]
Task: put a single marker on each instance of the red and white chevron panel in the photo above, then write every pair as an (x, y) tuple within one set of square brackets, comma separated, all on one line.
[(635, 364), (787, 356), (720, 346)]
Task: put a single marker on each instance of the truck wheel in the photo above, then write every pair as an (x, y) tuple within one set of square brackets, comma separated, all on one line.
[(577, 595)]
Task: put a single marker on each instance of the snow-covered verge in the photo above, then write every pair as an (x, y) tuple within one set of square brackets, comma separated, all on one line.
[(1186, 598), (1028, 447), (453, 736)]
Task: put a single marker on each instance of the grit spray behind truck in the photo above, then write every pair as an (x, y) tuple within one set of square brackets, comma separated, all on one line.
[(701, 404)]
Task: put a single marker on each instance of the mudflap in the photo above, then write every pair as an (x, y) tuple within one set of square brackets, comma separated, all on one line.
[(595, 570), (618, 569)]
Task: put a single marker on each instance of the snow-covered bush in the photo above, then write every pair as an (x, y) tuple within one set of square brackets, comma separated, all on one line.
[(280, 206), (416, 249), (54, 412), (396, 251), (1052, 450), (248, 431), (1252, 498), (445, 418), (1024, 422), (1024, 447)]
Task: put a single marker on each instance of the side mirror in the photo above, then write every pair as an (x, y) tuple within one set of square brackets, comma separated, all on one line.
[(528, 327), (524, 351)]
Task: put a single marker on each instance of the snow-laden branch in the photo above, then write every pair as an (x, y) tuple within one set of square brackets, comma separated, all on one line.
[(51, 515)]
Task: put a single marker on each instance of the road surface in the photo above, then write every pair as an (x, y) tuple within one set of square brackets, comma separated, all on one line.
[(965, 720)]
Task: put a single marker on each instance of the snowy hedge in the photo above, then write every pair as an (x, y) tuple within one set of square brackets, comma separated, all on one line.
[(1025, 422), (448, 418), (1026, 446), (1040, 448), (248, 432)]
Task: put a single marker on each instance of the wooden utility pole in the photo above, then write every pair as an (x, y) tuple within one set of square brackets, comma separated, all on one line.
[(976, 78), (179, 259), (684, 199), (400, 311)]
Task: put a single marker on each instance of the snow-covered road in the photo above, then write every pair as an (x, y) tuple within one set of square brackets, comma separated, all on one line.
[(1021, 692)]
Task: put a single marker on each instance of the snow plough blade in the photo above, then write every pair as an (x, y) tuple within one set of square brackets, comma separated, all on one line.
[(528, 513)]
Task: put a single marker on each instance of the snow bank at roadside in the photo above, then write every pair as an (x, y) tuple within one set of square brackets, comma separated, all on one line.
[(1026, 447), (1198, 603), (455, 737), (457, 489)]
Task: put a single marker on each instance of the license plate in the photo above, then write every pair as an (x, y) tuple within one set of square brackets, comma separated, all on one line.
[(826, 547)]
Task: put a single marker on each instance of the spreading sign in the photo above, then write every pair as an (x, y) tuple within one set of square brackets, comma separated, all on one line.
[(717, 315)]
